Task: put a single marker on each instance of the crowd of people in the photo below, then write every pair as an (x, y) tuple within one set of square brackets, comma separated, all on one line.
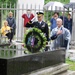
[(8, 29), (61, 27), (67, 21)]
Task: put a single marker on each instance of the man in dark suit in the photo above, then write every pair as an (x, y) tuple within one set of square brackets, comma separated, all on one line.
[(64, 19), (41, 24)]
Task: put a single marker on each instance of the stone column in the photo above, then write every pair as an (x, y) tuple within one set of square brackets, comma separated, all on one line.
[(73, 26)]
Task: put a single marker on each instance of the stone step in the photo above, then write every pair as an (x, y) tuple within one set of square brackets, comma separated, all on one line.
[(72, 47), (52, 70), (70, 53), (72, 58), (67, 73)]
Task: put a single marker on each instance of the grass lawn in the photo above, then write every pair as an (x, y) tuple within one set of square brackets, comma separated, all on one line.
[(71, 64)]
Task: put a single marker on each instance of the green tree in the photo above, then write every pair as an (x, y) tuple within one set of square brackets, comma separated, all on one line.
[(49, 13), (63, 1), (6, 3)]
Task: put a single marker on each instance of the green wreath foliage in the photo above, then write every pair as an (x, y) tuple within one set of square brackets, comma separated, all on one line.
[(34, 40)]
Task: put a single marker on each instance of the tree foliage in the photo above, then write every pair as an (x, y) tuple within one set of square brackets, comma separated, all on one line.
[(63, 1), (49, 13), (3, 2)]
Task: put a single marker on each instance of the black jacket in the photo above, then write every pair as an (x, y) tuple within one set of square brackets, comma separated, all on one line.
[(43, 27)]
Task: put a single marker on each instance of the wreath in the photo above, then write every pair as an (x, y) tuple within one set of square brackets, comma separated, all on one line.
[(34, 40)]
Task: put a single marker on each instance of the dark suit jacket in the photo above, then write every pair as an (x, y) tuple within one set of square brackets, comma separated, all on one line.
[(43, 27), (12, 23), (65, 20)]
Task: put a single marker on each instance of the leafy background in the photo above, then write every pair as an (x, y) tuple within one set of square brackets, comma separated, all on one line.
[(63, 1)]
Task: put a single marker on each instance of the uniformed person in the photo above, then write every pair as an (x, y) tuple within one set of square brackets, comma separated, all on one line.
[(60, 36), (41, 24)]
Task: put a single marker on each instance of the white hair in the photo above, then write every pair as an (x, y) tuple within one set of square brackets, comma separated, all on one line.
[(59, 19)]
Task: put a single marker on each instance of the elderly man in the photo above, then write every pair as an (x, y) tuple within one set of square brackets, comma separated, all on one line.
[(60, 36), (12, 24)]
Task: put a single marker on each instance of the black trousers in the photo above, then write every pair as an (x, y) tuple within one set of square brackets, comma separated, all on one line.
[(10, 36), (46, 48), (65, 43)]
